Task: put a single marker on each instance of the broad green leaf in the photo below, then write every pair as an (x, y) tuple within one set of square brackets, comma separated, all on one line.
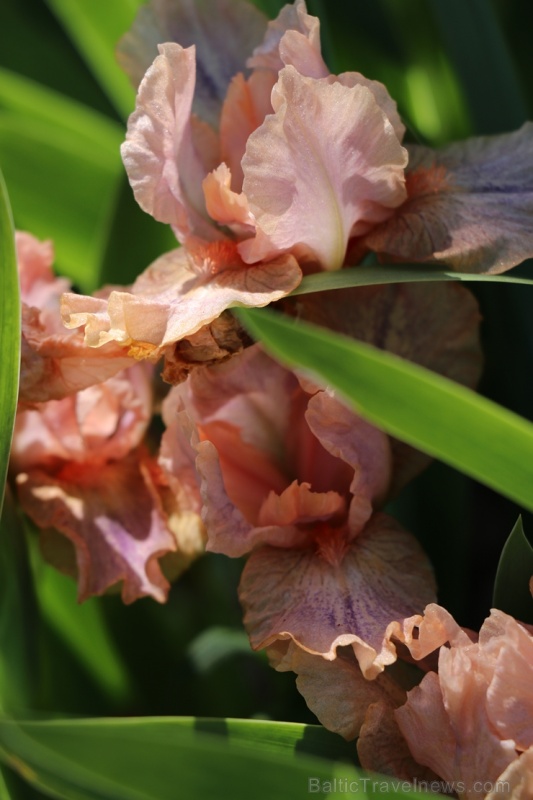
[(476, 47), (374, 275), (426, 410), (9, 333), (515, 571), (18, 615), (95, 26), (83, 628), (63, 167), (161, 759)]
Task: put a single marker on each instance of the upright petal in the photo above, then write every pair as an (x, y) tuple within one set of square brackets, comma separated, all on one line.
[(223, 31), (469, 205), (163, 166), (322, 605), (324, 166), (292, 17)]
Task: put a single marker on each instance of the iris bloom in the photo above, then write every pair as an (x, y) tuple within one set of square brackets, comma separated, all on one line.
[(265, 165), (472, 722), (54, 363), (82, 471), (295, 479)]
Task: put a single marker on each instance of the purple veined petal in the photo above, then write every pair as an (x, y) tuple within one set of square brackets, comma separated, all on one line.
[(321, 604), (469, 205)]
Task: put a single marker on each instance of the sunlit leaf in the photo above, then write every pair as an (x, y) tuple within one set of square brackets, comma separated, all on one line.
[(374, 275), (63, 168), (426, 410), (9, 333), (515, 571), (160, 759), (96, 26)]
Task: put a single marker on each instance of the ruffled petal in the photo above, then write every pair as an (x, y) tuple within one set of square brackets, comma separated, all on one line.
[(336, 691), (320, 604), (163, 166), (54, 363), (223, 31), (469, 205), (365, 448), (113, 517), (298, 505), (176, 296), (326, 164), (292, 17), (100, 423)]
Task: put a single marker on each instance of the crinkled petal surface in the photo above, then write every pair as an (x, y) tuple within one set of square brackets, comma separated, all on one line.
[(469, 205), (112, 516), (177, 295), (516, 783), (299, 595), (164, 168), (224, 32), (292, 17), (325, 164)]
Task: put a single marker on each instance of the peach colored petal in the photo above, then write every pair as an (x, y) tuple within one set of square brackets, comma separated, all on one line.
[(253, 391), (292, 17), (97, 424), (320, 604), (434, 325), (249, 474), (469, 205), (300, 51), (510, 694), (516, 782), (54, 363), (326, 161), (297, 504), (176, 296), (226, 206), (163, 166), (114, 519), (381, 96), (229, 531), (445, 724), (365, 448), (245, 108), (425, 725), (224, 32)]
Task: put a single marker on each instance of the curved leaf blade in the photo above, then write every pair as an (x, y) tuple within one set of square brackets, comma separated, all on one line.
[(9, 333), (430, 412), (377, 275), (514, 573), (165, 758)]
